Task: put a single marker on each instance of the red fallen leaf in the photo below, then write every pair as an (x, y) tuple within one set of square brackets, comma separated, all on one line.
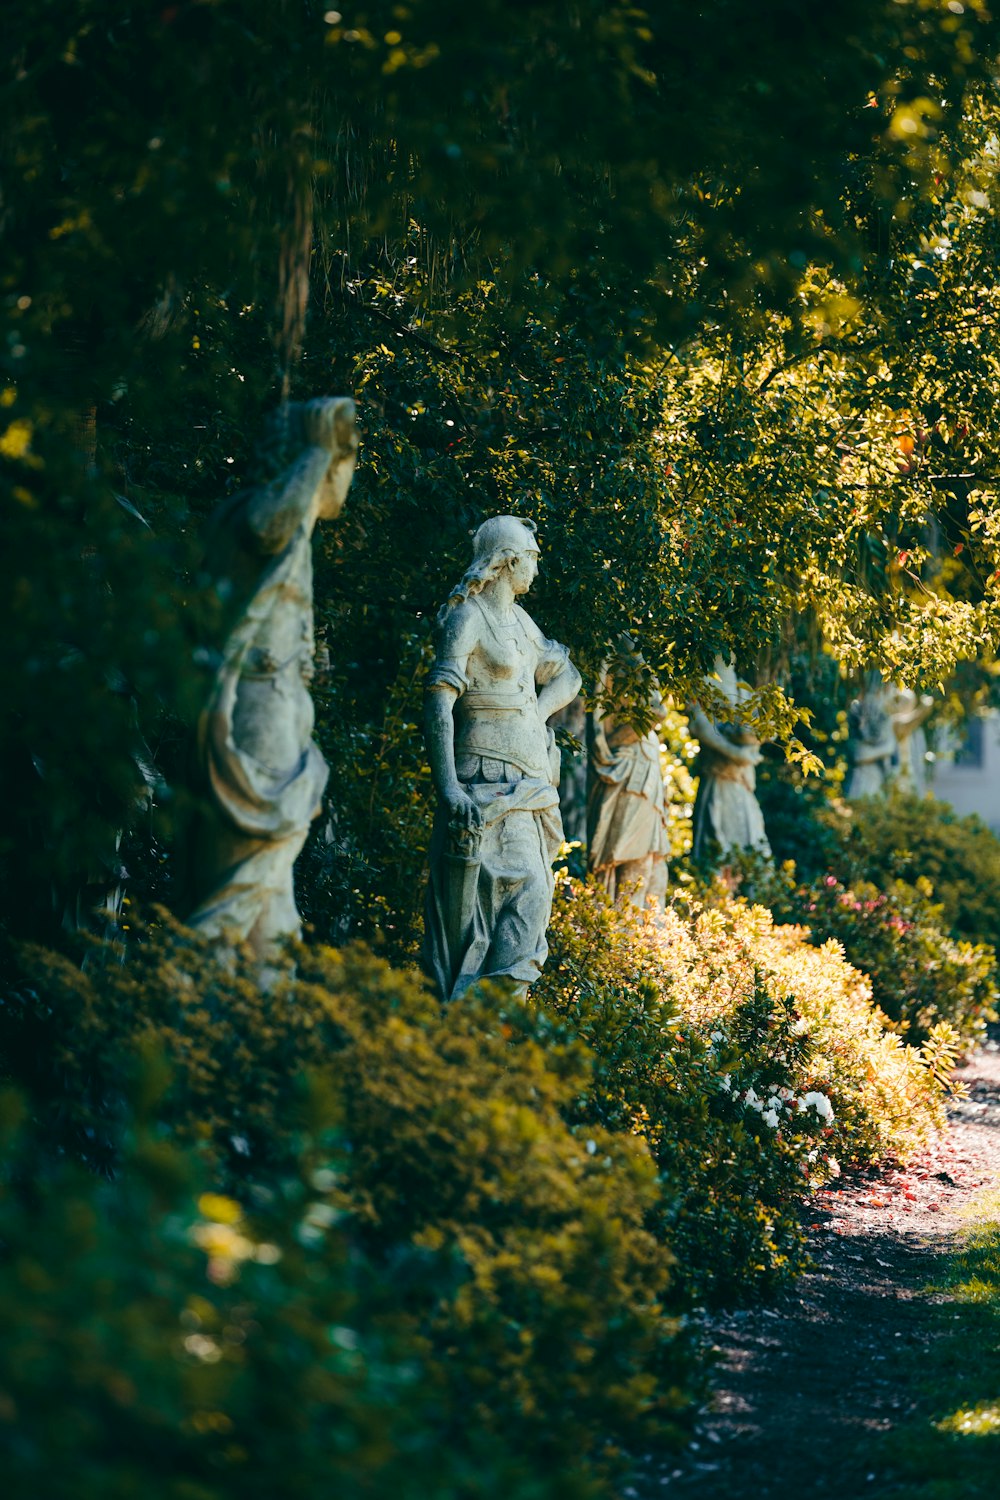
[(934, 1208), (912, 1197)]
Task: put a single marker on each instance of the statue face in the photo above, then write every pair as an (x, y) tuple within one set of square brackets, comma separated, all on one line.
[(335, 430), (524, 570)]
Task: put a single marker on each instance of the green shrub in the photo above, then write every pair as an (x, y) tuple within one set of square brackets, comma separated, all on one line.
[(699, 1019), (920, 977), (904, 837), (553, 1341), (163, 1342)]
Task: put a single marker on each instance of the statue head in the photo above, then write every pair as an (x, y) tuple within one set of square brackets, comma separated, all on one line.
[(501, 544), (327, 422)]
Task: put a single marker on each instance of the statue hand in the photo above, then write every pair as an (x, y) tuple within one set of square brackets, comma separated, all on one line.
[(463, 812)]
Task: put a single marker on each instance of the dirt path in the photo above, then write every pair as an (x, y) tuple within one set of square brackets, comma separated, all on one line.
[(801, 1383)]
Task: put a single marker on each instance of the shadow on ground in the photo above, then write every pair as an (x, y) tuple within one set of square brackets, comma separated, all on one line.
[(879, 1373)]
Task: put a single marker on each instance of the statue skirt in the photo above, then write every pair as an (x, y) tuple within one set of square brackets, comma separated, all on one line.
[(489, 902)]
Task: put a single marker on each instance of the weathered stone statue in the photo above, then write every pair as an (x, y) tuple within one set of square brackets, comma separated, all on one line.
[(727, 814), (871, 739), (882, 724), (495, 681), (261, 774), (909, 714), (627, 836)]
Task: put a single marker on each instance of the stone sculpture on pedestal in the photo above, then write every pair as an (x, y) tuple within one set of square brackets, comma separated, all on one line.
[(727, 815), (627, 836), (493, 686), (261, 775)]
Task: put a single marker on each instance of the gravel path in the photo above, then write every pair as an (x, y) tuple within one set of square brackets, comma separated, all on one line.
[(800, 1382)]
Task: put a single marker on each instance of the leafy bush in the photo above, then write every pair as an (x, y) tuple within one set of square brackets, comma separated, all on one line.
[(158, 1341), (920, 977), (552, 1341), (716, 1035), (904, 837)]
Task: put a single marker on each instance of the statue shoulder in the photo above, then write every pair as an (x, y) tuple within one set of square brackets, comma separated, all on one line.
[(457, 629)]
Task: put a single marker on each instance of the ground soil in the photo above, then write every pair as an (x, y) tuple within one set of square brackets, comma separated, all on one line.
[(801, 1383)]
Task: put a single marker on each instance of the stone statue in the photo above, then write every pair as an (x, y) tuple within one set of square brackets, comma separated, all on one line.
[(493, 686), (261, 775), (871, 739), (881, 724), (627, 836), (727, 814), (909, 714)]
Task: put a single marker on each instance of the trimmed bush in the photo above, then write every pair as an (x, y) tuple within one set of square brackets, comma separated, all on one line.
[(550, 1339), (711, 1029), (909, 838), (920, 976), (158, 1341)]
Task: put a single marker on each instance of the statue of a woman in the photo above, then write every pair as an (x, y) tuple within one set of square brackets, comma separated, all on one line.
[(882, 724), (627, 836), (872, 741), (727, 814), (495, 681), (261, 775)]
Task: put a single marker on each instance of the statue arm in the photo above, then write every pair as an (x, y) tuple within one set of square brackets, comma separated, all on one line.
[(448, 680), (275, 512), (905, 722), (710, 738), (559, 690), (556, 678), (439, 727), (866, 752)]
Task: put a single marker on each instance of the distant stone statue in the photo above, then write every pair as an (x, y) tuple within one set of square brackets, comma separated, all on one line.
[(882, 723), (627, 835), (872, 742), (493, 686), (261, 775), (909, 714), (727, 815)]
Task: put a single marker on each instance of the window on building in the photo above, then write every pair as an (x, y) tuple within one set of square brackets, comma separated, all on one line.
[(969, 752)]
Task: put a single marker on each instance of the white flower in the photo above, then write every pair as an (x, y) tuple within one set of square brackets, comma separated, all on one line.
[(591, 1148), (834, 1166), (750, 1097), (725, 1083), (820, 1103), (716, 1036), (774, 1102), (770, 1117), (812, 1155)]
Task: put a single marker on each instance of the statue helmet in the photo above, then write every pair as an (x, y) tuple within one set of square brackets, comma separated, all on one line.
[(507, 535)]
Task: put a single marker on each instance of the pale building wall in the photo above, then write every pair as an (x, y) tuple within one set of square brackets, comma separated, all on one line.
[(968, 774)]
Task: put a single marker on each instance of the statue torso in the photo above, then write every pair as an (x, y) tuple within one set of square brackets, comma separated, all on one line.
[(497, 717)]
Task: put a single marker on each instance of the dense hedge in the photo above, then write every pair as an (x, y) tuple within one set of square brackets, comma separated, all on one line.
[(700, 1021), (909, 889), (488, 1220), (548, 1338), (904, 837)]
